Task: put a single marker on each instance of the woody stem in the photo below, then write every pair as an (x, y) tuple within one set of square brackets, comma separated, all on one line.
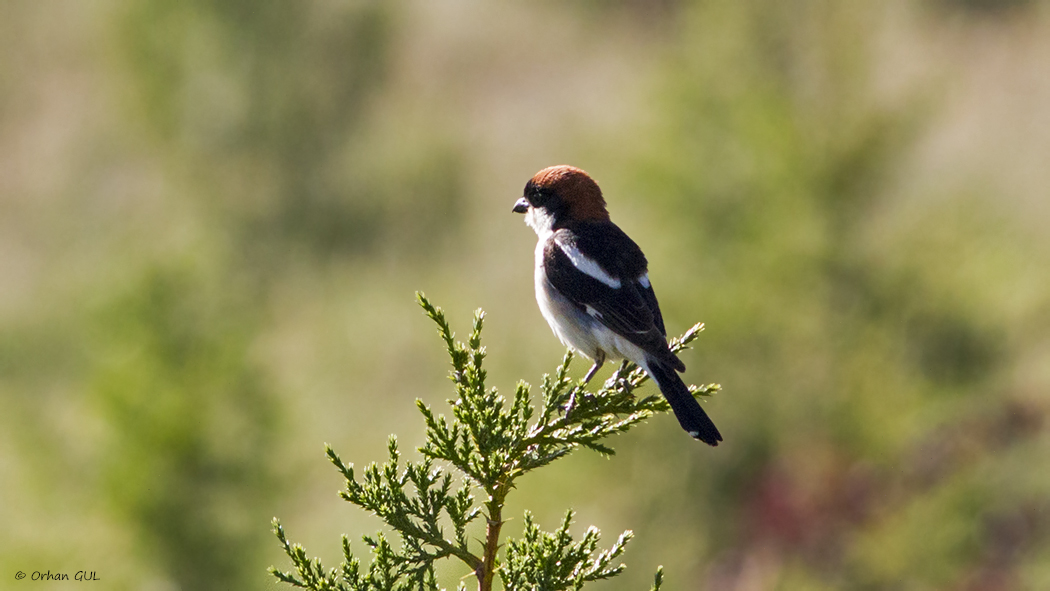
[(486, 571)]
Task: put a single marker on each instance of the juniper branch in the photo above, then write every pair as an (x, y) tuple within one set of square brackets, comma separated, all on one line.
[(490, 442)]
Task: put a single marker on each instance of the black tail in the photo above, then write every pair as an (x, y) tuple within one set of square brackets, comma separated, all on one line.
[(691, 416)]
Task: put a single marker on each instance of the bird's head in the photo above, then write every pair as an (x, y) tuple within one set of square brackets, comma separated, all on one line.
[(559, 195)]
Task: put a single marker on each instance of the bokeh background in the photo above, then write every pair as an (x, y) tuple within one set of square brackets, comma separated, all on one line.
[(214, 215)]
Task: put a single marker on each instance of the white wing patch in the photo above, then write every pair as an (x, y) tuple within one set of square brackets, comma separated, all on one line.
[(588, 266), (644, 280), (593, 312)]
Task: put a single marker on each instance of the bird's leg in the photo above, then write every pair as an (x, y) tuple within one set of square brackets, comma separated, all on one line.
[(599, 360), (622, 375)]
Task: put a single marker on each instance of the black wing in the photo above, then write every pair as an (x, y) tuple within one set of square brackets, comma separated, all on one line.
[(631, 309), (650, 300)]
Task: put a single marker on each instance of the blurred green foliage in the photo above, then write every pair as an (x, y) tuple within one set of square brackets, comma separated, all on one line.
[(214, 213), (848, 355), (269, 105), (191, 426)]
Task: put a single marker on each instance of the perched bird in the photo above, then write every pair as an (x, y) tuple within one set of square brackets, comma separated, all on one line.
[(592, 286)]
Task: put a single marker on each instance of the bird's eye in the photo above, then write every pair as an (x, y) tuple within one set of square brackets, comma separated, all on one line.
[(537, 197)]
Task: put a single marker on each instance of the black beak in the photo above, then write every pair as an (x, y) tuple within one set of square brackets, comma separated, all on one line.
[(521, 206)]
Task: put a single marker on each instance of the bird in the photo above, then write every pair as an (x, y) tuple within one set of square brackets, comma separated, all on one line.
[(593, 288)]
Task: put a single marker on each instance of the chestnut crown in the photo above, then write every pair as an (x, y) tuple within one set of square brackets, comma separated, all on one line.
[(566, 192)]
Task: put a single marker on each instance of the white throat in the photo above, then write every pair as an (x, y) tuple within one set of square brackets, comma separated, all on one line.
[(541, 221)]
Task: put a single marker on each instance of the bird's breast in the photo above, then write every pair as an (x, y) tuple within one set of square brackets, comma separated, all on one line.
[(573, 326)]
